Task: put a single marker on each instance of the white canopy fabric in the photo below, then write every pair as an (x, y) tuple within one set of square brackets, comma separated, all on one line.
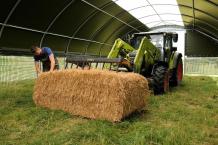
[(153, 13)]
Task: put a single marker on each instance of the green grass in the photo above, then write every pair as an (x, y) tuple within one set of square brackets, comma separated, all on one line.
[(186, 115)]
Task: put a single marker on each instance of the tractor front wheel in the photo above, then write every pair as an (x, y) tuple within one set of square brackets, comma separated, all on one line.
[(160, 80)]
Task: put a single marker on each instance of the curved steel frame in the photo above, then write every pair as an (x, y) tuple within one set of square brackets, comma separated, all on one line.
[(155, 11), (53, 34), (165, 21), (108, 14), (53, 21), (179, 5), (101, 10), (80, 26), (105, 25), (194, 18), (8, 17)]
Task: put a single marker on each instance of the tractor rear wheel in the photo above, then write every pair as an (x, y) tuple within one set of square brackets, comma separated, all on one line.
[(160, 80), (177, 73)]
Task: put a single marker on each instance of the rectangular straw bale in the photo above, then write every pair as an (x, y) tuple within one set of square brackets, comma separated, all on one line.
[(96, 94)]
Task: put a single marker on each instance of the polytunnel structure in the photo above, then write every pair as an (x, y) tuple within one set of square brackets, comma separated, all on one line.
[(109, 72), (91, 26)]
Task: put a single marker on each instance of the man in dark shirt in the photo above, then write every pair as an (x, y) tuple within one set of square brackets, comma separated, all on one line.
[(46, 56)]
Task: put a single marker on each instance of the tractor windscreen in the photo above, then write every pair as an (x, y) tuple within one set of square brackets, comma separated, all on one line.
[(157, 40), (135, 42)]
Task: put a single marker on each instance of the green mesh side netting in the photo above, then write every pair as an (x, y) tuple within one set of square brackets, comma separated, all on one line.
[(16, 68)]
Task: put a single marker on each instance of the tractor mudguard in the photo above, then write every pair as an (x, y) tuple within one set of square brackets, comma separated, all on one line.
[(173, 60)]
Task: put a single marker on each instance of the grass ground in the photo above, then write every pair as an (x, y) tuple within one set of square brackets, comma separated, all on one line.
[(186, 115)]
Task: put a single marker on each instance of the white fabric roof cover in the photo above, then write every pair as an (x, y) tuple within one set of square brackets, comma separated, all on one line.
[(153, 12)]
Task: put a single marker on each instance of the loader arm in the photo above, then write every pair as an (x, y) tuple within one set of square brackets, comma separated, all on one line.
[(120, 48), (148, 53)]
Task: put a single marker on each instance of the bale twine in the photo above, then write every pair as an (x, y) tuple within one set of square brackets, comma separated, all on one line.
[(96, 94)]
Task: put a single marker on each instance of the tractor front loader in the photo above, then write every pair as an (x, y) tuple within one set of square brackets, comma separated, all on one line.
[(150, 54)]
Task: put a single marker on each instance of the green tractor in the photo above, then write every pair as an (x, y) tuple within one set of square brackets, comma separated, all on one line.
[(147, 53)]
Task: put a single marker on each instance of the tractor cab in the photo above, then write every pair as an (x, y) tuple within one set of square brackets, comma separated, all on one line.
[(162, 40)]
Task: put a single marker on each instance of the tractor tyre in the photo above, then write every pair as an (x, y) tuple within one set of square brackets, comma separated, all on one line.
[(160, 80), (177, 73)]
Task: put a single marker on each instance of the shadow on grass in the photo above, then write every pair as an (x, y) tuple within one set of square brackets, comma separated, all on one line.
[(137, 115)]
